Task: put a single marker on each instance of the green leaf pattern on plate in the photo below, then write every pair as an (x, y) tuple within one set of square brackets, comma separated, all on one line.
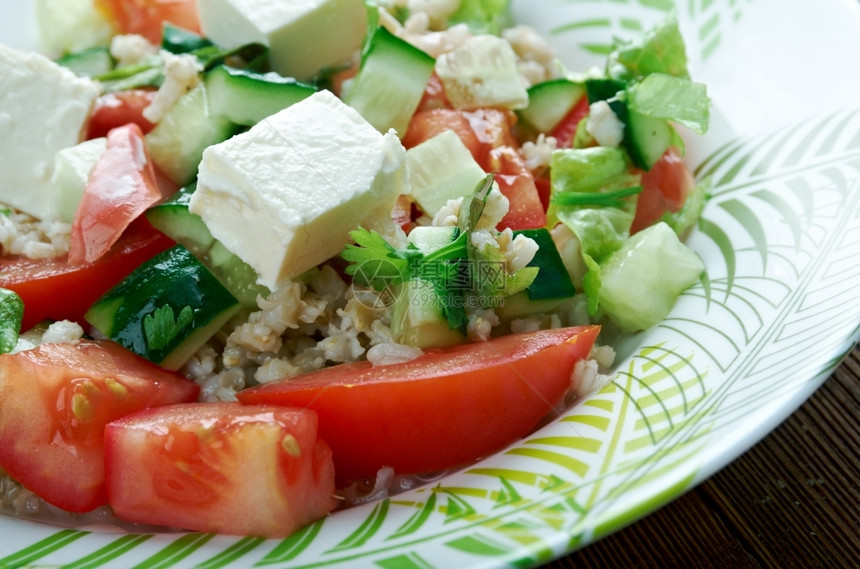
[(779, 239)]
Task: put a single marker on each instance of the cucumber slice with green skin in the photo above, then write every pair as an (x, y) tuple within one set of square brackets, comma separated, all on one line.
[(188, 229), (553, 280), (90, 62), (177, 142), (520, 305), (166, 309), (390, 82), (247, 97), (172, 218), (179, 40), (418, 319), (603, 89), (235, 274), (646, 139), (549, 103)]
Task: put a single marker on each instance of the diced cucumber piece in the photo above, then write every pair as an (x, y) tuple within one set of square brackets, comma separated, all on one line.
[(166, 309), (646, 138), (174, 220), (520, 305), (90, 62), (417, 318), (552, 281), (549, 103), (441, 169), (640, 282), (177, 142), (11, 316), (235, 274), (430, 238), (603, 89), (247, 97), (390, 81)]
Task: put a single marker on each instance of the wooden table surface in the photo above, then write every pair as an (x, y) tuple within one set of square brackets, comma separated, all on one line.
[(793, 500)]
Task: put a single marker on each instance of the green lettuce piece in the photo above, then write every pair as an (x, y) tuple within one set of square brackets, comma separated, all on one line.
[(587, 169), (11, 316), (601, 232), (641, 281), (659, 50), (688, 216), (482, 16), (680, 100)]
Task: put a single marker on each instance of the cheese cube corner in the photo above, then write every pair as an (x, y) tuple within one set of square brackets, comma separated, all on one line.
[(43, 109), (284, 195), (303, 37)]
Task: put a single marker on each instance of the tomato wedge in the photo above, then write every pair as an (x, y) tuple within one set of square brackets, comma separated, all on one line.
[(516, 182), (443, 409), (145, 17), (55, 401), (220, 468), (58, 290), (664, 189), (122, 185), (565, 131)]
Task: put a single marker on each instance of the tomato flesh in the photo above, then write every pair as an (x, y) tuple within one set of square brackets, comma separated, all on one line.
[(565, 131), (220, 468), (113, 110), (145, 17), (441, 410), (664, 189), (516, 182), (58, 290), (55, 401), (122, 185)]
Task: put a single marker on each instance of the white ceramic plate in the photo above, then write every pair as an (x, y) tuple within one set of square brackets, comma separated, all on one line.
[(781, 242)]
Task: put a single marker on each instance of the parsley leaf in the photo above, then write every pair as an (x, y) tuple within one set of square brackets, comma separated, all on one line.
[(11, 316), (162, 326)]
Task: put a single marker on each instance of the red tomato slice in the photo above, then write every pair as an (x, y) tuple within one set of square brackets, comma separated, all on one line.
[(427, 124), (516, 183), (220, 468), (145, 17), (58, 290), (443, 409), (113, 110), (664, 189), (55, 401), (565, 131), (122, 185)]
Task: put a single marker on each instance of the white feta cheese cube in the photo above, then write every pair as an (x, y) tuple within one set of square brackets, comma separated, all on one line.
[(284, 195), (43, 109), (482, 73), (303, 37), (604, 125)]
